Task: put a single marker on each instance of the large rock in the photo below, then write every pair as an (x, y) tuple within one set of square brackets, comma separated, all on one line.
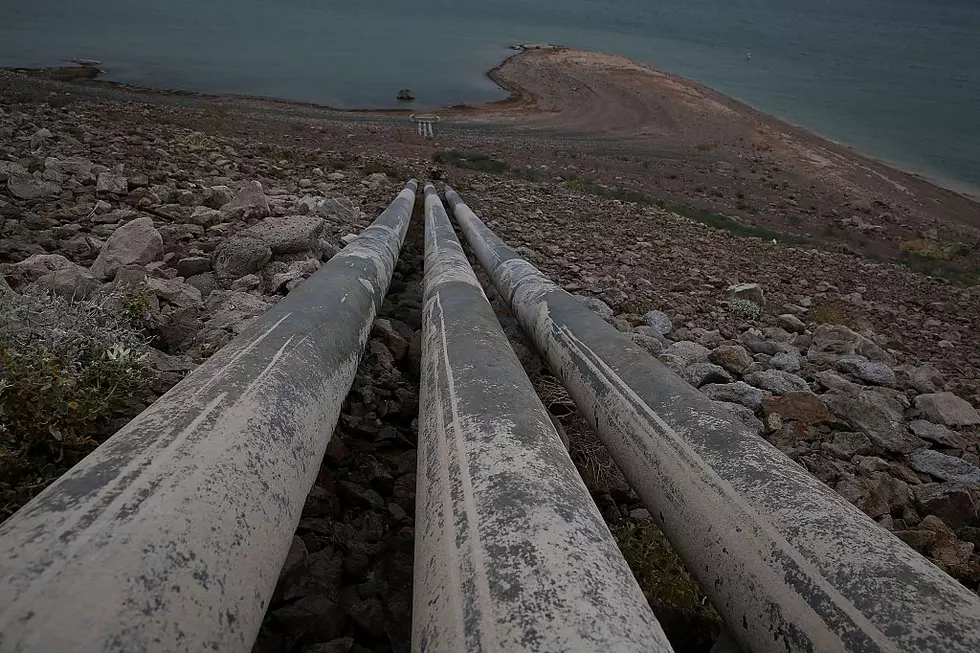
[(955, 503), (748, 291), (250, 203), (288, 235), (239, 256), (871, 372), (740, 393), (71, 282), (868, 412), (938, 434), (733, 358), (134, 243), (37, 265), (206, 217), (659, 321), (689, 352), (948, 409), (943, 467), (831, 341), (176, 292), (804, 407), (651, 345), (777, 382), (26, 186)]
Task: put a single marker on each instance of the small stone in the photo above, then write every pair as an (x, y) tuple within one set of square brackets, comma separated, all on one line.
[(651, 345), (71, 283), (947, 409), (206, 217), (369, 615), (359, 496), (846, 445), (786, 361)]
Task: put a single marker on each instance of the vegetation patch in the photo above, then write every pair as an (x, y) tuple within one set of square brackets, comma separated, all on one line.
[(67, 369), (688, 619), (612, 192), (745, 309), (926, 248), (197, 142), (833, 311), (719, 221)]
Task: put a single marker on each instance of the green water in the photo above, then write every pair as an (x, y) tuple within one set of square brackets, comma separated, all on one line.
[(898, 79)]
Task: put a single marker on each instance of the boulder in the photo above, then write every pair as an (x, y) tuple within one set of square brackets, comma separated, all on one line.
[(938, 434), (749, 291), (740, 393), (217, 196), (205, 282), (240, 256), (831, 341), (689, 352), (176, 292), (791, 323), (405, 94), (135, 243), (658, 320), (25, 186), (868, 412), (733, 358), (743, 415), (37, 265), (289, 234), (947, 409), (250, 203), (804, 407), (943, 467), (777, 382), (860, 368), (786, 361), (845, 445), (72, 282)]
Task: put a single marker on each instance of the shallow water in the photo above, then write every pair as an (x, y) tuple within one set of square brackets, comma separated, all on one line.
[(898, 79)]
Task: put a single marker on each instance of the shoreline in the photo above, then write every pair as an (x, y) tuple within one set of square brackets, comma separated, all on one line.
[(517, 95)]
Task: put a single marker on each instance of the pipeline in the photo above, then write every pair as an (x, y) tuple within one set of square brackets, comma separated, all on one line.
[(789, 564), (171, 535), (511, 553)]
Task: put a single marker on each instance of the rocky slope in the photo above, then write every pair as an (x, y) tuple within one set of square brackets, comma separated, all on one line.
[(866, 373)]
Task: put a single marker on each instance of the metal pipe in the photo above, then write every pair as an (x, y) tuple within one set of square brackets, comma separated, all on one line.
[(789, 564), (171, 535), (511, 554)]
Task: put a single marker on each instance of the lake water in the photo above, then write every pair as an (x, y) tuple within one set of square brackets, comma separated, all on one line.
[(898, 79)]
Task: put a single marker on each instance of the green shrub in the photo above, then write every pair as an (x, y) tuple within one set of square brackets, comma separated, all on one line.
[(66, 370), (745, 309), (197, 142), (926, 248), (832, 311)]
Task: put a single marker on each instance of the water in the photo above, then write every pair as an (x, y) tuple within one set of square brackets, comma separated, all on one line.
[(898, 79)]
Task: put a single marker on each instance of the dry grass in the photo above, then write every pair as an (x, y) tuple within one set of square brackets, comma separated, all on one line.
[(833, 311), (926, 248), (706, 147)]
